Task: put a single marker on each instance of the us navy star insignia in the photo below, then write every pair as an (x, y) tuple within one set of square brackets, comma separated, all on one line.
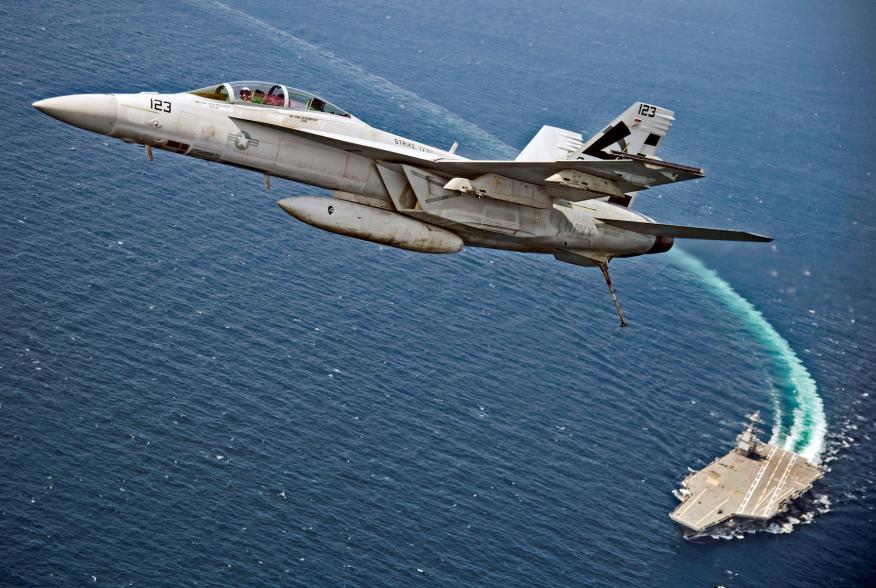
[(243, 140)]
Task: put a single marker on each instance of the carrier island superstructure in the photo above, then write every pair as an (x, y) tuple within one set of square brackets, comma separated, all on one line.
[(754, 482)]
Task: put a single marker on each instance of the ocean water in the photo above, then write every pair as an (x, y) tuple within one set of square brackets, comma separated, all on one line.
[(197, 390)]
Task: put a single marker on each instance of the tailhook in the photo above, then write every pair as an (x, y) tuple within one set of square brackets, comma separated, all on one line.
[(603, 265)]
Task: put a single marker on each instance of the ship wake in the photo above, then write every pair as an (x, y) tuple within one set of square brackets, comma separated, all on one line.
[(799, 424)]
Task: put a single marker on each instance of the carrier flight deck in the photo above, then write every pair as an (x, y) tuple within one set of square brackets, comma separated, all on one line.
[(755, 481)]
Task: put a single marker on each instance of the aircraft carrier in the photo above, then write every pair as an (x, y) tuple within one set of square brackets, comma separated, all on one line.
[(754, 482)]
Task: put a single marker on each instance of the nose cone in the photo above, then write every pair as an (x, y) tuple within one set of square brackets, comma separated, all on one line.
[(92, 112)]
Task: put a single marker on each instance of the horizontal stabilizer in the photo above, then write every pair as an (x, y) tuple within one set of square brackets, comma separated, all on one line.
[(682, 232)]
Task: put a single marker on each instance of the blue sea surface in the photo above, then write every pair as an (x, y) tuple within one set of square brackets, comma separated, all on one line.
[(198, 390)]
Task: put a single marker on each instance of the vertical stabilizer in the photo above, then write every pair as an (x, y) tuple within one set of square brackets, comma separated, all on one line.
[(551, 144), (637, 131)]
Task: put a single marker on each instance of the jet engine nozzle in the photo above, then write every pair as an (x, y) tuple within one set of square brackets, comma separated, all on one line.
[(662, 244), (92, 112)]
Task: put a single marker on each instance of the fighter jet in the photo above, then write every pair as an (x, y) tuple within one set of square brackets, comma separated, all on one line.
[(562, 195)]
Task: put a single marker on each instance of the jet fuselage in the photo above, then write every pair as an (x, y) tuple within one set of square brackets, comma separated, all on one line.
[(254, 137)]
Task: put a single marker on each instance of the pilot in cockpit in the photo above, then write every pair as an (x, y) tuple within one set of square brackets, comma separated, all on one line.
[(317, 104), (245, 94), (275, 96)]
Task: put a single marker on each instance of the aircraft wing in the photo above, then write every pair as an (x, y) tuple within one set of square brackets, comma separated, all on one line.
[(629, 172), (682, 232)]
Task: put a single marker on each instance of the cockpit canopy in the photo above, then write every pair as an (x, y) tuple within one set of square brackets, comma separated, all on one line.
[(267, 94)]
